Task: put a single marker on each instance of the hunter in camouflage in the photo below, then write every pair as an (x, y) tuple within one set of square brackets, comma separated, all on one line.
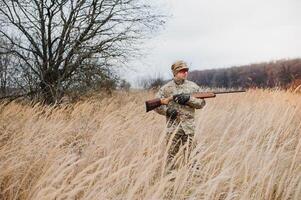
[(179, 112)]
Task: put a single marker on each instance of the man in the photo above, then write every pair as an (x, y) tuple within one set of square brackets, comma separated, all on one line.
[(179, 112)]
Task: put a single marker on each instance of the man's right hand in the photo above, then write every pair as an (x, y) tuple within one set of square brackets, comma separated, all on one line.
[(171, 113), (165, 101)]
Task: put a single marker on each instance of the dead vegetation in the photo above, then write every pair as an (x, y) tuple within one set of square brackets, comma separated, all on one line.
[(249, 147)]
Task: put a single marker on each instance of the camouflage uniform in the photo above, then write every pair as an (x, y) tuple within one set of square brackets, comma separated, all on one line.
[(184, 124)]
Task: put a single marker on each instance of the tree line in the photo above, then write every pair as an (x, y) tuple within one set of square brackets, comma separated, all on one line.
[(280, 73)]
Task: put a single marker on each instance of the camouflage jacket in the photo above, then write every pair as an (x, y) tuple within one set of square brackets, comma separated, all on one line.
[(185, 119)]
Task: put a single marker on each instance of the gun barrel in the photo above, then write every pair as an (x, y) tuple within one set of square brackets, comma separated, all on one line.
[(226, 92)]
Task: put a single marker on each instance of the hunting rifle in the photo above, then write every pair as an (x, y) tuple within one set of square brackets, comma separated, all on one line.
[(154, 103)]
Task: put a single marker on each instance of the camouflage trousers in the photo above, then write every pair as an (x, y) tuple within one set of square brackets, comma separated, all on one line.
[(179, 147)]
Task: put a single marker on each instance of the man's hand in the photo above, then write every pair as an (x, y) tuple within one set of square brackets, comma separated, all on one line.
[(165, 101), (171, 113), (181, 99)]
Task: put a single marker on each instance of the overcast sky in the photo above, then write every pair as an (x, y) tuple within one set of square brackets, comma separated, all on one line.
[(221, 33)]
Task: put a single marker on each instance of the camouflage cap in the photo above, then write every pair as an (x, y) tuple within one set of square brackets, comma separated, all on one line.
[(177, 66)]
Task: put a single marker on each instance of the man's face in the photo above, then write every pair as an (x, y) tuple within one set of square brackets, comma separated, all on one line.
[(182, 74)]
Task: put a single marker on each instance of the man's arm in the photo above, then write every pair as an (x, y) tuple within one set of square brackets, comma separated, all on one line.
[(195, 102)]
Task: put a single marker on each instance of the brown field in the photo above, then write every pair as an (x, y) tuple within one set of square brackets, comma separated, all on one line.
[(108, 148)]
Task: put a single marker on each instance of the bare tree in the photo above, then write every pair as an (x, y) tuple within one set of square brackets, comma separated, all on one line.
[(8, 73), (3, 75), (285, 76), (124, 85), (55, 39), (151, 82)]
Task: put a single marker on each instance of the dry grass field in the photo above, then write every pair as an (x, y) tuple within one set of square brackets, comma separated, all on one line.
[(249, 147)]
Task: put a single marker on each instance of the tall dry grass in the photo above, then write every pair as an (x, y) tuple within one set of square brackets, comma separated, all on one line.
[(249, 147)]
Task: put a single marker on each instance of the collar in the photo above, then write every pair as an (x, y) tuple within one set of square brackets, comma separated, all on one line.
[(179, 81)]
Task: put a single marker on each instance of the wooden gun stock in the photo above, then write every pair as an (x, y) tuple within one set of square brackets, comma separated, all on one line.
[(155, 103), (152, 104)]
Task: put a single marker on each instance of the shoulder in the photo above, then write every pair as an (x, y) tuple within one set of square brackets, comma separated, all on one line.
[(166, 89), (192, 84), (168, 85)]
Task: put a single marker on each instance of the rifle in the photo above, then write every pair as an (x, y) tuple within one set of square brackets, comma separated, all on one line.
[(154, 103)]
